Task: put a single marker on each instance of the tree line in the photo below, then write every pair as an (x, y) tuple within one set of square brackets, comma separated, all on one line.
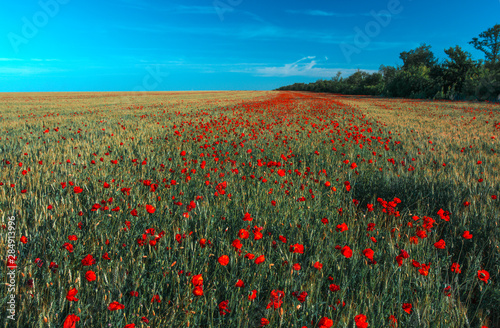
[(422, 75)]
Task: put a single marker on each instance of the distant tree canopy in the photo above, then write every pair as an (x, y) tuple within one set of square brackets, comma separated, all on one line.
[(489, 43), (423, 76)]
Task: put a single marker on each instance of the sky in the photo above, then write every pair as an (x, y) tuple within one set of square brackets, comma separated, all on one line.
[(156, 45)]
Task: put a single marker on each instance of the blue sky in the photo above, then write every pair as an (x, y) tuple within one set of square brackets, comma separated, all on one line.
[(124, 45)]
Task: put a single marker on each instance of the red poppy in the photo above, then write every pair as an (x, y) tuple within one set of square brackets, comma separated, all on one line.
[(68, 247), (223, 260), (393, 321), (223, 308), (360, 321), (346, 251), (297, 248), (341, 227), (197, 280), (71, 321), (70, 296), (90, 276), (243, 234), (483, 275), (23, 239), (247, 217), (253, 295), (260, 259), (115, 306), (318, 265), (334, 288), (407, 307), (133, 212), (369, 253), (77, 190), (276, 299), (130, 325), (467, 235), (440, 244), (264, 322), (240, 283), (88, 260), (198, 291), (150, 209), (455, 267), (325, 323)]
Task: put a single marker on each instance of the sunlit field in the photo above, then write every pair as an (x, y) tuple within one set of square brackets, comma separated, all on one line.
[(250, 209)]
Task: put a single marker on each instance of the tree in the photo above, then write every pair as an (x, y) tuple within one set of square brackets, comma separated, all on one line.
[(489, 43), (421, 56), (456, 69)]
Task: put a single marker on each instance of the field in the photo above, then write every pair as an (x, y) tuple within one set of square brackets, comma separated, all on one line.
[(247, 209)]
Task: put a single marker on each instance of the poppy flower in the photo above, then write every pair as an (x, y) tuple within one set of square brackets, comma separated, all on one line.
[(325, 323), (243, 234), (130, 325), (150, 209), (223, 308), (369, 253), (133, 212), (467, 235), (240, 283), (88, 260), (392, 321), (70, 296), (276, 299), (260, 259), (441, 244), (90, 276), (360, 321), (455, 267), (253, 295), (197, 280), (23, 239), (297, 248), (424, 269), (264, 322), (247, 217), (198, 291), (346, 251), (318, 265), (483, 275), (77, 190), (71, 321), (407, 307), (223, 260), (113, 306), (334, 288)]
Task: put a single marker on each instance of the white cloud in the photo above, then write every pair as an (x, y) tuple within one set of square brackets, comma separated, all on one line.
[(313, 12), (307, 67)]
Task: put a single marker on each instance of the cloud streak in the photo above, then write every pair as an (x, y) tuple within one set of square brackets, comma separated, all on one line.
[(304, 67)]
